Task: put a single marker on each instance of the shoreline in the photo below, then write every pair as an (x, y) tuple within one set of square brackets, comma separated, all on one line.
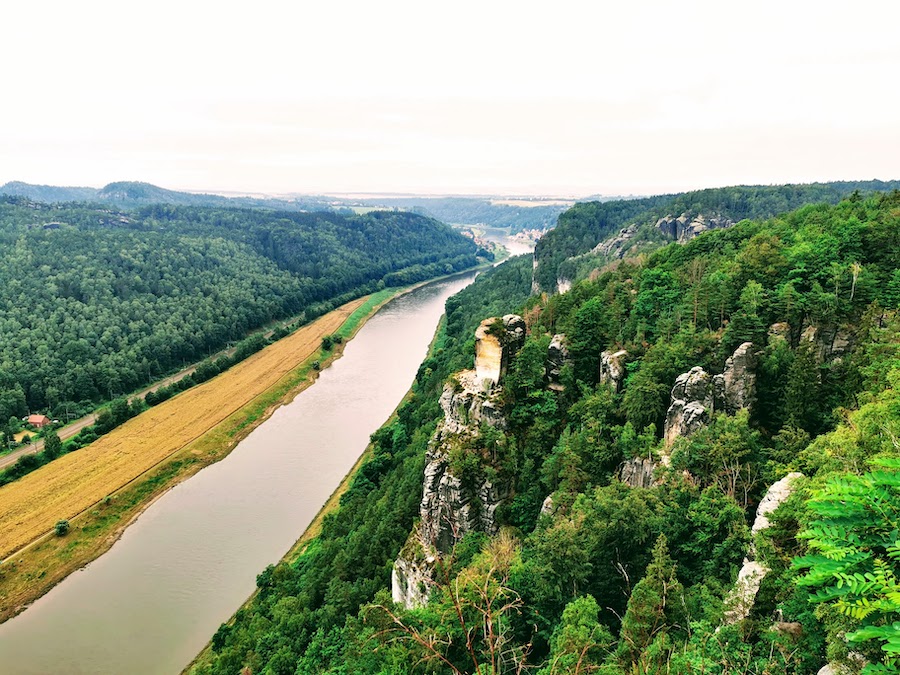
[(312, 530), (33, 569)]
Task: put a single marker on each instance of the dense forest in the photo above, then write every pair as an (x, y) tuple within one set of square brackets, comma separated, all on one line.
[(96, 302), (132, 194), (589, 223), (607, 575), (478, 211), (455, 210)]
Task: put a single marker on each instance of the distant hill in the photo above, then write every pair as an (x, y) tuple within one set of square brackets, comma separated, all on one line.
[(48, 193), (132, 194), (477, 211), (592, 234)]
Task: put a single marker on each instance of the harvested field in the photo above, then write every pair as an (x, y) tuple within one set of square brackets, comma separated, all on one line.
[(75, 482)]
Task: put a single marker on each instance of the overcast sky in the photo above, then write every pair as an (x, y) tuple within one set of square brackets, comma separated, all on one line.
[(449, 97)]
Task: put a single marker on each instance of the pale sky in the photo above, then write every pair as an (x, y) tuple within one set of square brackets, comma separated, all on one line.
[(554, 97)]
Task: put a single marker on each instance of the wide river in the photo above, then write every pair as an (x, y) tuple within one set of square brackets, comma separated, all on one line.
[(188, 562)]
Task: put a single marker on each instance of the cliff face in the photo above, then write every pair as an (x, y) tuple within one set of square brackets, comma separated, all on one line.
[(753, 571), (695, 396), (453, 505), (684, 228)]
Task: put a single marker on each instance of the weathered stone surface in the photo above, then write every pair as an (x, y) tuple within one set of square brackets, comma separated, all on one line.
[(466, 405), (683, 228), (617, 246), (775, 496), (743, 595), (735, 388), (557, 357), (563, 285), (612, 369), (493, 351), (692, 401), (449, 509), (516, 331), (488, 354), (638, 472), (547, 506), (535, 286), (779, 331), (412, 575)]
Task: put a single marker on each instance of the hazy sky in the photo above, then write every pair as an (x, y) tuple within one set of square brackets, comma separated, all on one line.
[(449, 97)]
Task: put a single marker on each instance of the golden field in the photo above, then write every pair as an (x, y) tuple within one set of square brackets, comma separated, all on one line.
[(77, 481)]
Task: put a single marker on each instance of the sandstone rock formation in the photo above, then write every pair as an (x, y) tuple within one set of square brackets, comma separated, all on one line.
[(451, 506), (752, 572), (735, 388), (692, 401), (612, 369), (683, 228), (618, 245), (494, 345), (411, 576), (638, 472), (557, 357)]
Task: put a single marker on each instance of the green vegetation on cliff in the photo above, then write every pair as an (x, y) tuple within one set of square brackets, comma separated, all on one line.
[(585, 225)]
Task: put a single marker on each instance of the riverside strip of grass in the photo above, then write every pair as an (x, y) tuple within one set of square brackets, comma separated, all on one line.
[(38, 566)]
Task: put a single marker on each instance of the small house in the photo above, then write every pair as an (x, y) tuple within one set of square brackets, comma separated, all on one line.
[(38, 421)]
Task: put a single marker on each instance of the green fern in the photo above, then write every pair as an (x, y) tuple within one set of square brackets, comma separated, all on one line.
[(854, 559)]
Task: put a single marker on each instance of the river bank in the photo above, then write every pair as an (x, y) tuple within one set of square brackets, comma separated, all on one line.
[(151, 603), (36, 565)]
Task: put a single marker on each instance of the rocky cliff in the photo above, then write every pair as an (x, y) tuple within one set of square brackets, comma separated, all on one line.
[(453, 504), (684, 228), (695, 396), (753, 571)]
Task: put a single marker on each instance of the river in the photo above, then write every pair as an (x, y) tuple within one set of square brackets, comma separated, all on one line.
[(151, 603)]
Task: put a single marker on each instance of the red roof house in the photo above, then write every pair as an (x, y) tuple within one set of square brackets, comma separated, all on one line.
[(38, 421)]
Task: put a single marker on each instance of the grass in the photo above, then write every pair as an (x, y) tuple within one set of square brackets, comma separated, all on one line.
[(104, 486)]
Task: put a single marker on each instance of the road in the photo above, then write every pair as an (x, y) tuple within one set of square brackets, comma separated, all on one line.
[(73, 428)]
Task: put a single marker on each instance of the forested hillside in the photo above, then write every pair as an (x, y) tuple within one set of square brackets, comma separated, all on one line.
[(477, 211), (592, 541), (96, 302), (586, 225), (132, 194)]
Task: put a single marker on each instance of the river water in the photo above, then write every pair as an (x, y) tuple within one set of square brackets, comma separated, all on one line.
[(151, 603)]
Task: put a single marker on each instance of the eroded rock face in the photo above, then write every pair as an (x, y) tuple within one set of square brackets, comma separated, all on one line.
[(466, 404), (683, 228), (557, 357), (828, 343), (612, 369), (563, 285), (692, 401), (411, 577), (743, 595), (493, 348), (617, 246), (453, 505), (735, 388), (638, 472), (449, 509)]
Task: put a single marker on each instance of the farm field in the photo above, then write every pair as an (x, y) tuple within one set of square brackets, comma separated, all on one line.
[(77, 481)]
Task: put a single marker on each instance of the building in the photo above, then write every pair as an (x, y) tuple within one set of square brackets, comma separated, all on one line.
[(38, 421)]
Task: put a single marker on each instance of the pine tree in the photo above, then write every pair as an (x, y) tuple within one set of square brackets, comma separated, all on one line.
[(656, 606)]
